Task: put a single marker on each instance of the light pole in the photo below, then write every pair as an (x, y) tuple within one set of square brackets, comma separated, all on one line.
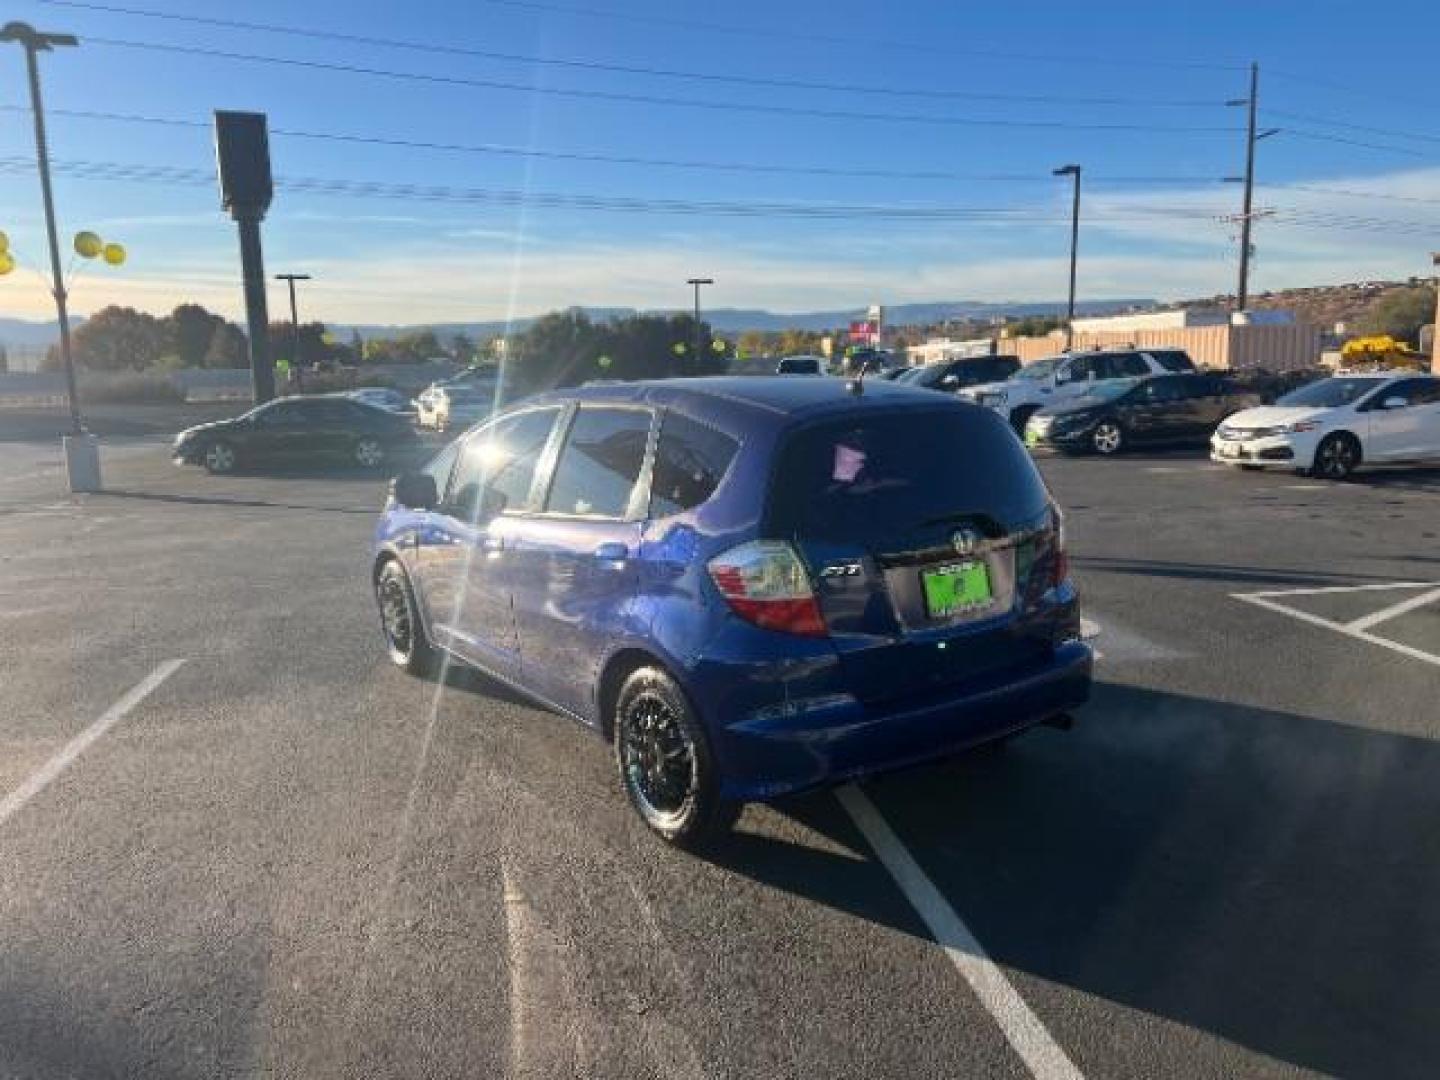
[(290, 280), (697, 282), (82, 459), (1072, 170)]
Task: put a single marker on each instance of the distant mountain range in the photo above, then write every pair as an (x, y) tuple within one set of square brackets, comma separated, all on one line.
[(20, 333), (736, 320)]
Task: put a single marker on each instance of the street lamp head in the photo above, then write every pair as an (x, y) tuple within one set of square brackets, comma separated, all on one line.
[(1066, 170), (31, 38), (292, 277), (699, 281)]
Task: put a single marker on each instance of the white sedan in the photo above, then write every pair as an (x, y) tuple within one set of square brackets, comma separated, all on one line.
[(1332, 427)]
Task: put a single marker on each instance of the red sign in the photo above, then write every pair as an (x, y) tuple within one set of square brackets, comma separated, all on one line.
[(867, 332)]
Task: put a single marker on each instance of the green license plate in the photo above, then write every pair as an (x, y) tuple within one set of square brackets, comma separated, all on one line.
[(1031, 438), (956, 588)]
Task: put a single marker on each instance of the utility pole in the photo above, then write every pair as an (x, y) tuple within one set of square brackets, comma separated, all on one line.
[(1073, 171), (295, 364), (82, 458), (1247, 212), (1242, 293), (697, 282)]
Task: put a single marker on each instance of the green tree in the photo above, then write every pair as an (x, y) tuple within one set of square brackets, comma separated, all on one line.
[(189, 330), (119, 339), (1035, 325), (227, 349), (312, 346), (462, 348), (1401, 313)]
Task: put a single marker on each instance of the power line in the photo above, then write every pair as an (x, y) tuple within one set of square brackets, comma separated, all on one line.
[(808, 37), (621, 159), (165, 174), (651, 99), (1352, 194), (1319, 136), (631, 69), (1324, 122)]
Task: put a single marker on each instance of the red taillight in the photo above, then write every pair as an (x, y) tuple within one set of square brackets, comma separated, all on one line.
[(765, 583)]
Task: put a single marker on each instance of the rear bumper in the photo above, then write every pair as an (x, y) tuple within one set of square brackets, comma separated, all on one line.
[(832, 738)]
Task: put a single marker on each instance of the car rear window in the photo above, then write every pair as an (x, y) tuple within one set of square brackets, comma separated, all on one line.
[(872, 477)]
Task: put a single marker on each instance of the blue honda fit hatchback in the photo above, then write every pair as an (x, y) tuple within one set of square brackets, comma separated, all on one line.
[(749, 586)]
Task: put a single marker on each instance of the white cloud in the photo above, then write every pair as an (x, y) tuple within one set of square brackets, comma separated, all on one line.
[(1130, 247)]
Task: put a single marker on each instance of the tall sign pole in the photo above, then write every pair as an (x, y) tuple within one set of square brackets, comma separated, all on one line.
[(242, 153)]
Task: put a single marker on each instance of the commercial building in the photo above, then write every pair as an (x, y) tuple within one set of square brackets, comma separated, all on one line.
[(1272, 340)]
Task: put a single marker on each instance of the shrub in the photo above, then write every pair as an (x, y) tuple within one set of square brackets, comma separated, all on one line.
[(140, 388)]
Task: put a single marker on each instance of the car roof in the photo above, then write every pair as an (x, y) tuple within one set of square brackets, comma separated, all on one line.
[(761, 395)]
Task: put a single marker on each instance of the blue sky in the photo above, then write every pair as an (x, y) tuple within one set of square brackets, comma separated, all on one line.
[(1162, 67)]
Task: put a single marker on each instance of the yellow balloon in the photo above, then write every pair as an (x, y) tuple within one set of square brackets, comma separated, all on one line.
[(4, 241), (88, 244), (114, 254), (7, 263)]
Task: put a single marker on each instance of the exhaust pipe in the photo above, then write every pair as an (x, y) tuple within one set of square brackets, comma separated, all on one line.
[(1061, 721)]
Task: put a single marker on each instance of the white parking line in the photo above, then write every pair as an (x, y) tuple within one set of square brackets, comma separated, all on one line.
[(43, 776), (1358, 628), (1375, 618), (1022, 1028)]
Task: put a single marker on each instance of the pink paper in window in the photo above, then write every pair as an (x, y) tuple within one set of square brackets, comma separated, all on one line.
[(848, 463)]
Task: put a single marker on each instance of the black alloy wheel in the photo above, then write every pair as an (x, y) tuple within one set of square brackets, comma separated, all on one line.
[(1337, 457), (220, 457), (1107, 438), (400, 623), (664, 762)]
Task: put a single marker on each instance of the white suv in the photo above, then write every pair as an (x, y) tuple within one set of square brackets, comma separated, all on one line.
[(1331, 427), (1060, 378)]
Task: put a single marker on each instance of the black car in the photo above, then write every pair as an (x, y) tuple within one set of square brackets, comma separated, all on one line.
[(327, 426), (951, 375), (1117, 413)]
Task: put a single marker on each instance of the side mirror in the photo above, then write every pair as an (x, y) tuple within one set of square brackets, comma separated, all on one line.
[(1396, 402), (415, 491)]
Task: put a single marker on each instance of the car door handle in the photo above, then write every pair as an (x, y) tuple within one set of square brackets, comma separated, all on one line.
[(613, 552)]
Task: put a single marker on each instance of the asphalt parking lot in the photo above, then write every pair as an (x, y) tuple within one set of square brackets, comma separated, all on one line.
[(237, 842)]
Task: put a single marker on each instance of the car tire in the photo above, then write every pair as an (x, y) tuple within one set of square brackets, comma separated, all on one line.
[(220, 457), (1337, 457), (401, 627), (665, 764), (1108, 438), (1021, 416), (368, 452)]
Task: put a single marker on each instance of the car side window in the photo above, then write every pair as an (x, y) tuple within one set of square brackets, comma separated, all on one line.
[(440, 466), (600, 463), (690, 460), (1162, 389), (1427, 392), (1172, 360), (1128, 365), (497, 466), (283, 413), (1415, 391)]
